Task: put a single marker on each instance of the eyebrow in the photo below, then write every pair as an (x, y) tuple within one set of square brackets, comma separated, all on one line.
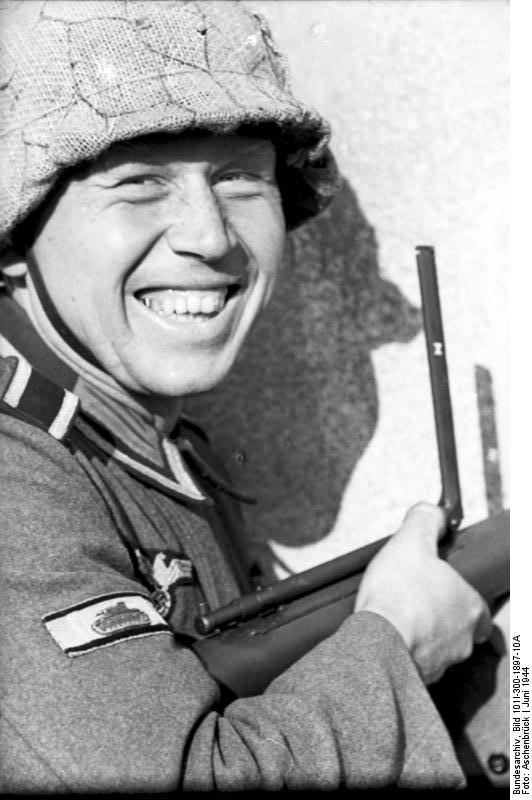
[(261, 150)]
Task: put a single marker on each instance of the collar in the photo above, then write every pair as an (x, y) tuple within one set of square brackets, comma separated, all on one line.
[(55, 398)]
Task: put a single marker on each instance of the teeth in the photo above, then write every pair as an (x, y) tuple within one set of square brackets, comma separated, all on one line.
[(166, 306), (208, 304), (193, 303), (190, 302), (180, 304)]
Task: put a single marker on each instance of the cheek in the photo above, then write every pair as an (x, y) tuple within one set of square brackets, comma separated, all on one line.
[(57, 261), (76, 271), (133, 227), (263, 233), (272, 249), (275, 235)]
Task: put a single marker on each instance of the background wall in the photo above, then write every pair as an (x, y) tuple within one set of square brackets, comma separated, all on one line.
[(330, 406)]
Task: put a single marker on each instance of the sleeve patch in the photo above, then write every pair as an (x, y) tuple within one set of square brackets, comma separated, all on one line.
[(103, 621)]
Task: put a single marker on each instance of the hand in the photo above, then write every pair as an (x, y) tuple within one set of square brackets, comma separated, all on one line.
[(438, 614)]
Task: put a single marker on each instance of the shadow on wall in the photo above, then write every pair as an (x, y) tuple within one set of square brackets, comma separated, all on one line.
[(301, 405)]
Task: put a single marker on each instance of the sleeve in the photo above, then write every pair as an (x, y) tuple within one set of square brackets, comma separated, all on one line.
[(142, 714)]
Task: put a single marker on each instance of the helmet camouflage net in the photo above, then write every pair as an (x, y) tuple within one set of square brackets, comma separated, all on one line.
[(79, 75)]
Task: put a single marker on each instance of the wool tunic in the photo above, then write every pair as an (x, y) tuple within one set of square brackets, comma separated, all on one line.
[(105, 560)]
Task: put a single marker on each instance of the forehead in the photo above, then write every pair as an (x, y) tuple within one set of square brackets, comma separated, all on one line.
[(200, 148)]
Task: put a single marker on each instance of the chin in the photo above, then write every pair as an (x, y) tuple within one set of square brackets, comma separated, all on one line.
[(180, 385)]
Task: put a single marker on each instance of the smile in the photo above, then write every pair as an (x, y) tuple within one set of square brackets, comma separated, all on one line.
[(186, 304)]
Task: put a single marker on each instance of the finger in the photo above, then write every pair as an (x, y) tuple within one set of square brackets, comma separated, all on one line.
[(426, 522), (484, 626), (433, 677)]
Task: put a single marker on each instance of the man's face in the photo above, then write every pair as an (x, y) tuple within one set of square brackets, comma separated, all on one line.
[(160, 257)]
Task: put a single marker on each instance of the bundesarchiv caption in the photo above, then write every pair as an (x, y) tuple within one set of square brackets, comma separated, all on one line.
[(520, 721)]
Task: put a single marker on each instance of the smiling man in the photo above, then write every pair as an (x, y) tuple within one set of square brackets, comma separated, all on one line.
[(152, 160), (173, 246)]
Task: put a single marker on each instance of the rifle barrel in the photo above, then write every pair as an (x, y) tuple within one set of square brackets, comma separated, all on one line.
[(295, 586)]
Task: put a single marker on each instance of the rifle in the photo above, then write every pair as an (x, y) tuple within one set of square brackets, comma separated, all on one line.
[(250, 641)]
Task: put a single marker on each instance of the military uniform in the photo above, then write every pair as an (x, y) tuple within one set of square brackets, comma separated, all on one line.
[(108, 550)]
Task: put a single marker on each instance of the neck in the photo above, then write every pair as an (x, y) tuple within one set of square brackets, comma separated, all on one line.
[(161, 412)]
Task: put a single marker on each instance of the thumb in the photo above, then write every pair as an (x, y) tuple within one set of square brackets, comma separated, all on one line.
[(426, 523)]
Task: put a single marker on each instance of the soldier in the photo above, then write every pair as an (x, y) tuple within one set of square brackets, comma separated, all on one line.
[(153, 159)]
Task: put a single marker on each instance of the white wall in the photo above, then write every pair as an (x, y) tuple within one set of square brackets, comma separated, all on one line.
[(417, 95)]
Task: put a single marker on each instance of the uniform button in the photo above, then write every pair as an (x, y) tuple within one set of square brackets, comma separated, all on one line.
[(498, 763), (240, 457)]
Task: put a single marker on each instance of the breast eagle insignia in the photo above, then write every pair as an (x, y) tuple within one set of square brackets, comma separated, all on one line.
[(164, 571)]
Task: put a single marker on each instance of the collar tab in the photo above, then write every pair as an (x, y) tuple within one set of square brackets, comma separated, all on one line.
[(28, 394)]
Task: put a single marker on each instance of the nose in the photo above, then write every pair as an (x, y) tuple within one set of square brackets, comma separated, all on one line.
[(199, 227)]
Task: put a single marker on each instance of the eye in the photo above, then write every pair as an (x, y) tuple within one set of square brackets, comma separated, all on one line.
[(241, 183), (141, 187), (236, 175), (139, 180)]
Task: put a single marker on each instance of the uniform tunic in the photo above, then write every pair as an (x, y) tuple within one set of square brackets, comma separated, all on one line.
[(106, 554)]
